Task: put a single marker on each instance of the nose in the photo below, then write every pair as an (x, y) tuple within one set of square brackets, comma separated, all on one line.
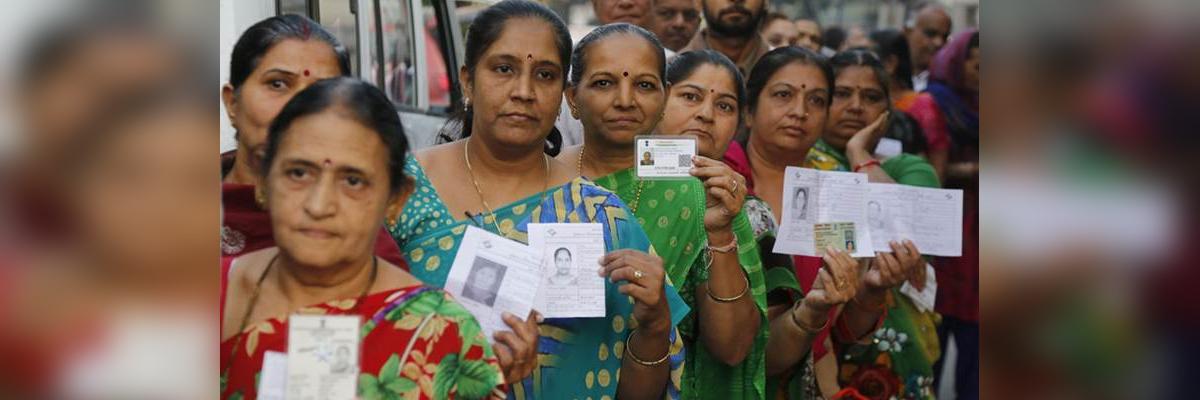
[(625, 4), (856, 104), (321, 202), (524, 91), (705, 114), (624, 98)]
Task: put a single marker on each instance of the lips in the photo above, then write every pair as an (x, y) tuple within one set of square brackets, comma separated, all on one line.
[(623, 122), (852, 124), (793, 130), (697, 132), (519, 117), (317, 233)]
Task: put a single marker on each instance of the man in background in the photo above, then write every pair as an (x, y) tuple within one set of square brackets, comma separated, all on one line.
[(676, 22), (926, 31), (733, 31)]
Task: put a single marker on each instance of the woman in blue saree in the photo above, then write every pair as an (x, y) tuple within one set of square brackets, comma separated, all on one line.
[(515, 73)]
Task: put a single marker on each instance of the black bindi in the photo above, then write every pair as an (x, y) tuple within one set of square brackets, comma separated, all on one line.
[(626, 73)]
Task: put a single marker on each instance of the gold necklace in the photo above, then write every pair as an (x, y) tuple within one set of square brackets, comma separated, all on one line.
[(488, 208), (637, 197)]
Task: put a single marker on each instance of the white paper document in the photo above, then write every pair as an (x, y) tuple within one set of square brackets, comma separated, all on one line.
[(492, 275), (923, 299), (570, 286), (272, 378), (322, 359), (931, 218), (888, 148), (812, 197)]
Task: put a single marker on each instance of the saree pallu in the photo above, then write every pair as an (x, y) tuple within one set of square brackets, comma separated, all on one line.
[(578, 357), (672, 213), (896, 361), (417, 343)]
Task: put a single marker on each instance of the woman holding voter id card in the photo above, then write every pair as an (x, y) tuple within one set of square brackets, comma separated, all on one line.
[(320, 314), (496, 178), (903, 350), (619, 92)]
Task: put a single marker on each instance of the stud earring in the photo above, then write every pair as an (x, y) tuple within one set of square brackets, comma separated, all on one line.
[(260, 198)]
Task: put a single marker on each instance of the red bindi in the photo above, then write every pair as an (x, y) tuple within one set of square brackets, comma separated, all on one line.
[(306, 72), (327, 162), (626, 73)]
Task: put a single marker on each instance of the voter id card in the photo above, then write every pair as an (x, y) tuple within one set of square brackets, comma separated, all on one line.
[(664, 157), (323, 357)]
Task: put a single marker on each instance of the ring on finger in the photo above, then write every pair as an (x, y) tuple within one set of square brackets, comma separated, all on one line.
[(637, 274), (735, 186)]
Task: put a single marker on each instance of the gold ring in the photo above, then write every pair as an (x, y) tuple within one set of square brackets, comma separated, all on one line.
[(637, 274), (735, 186)]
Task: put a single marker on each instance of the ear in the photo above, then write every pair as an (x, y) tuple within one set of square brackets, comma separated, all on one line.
[(396, 201), (465, 82), (570, 92), (230, 99)]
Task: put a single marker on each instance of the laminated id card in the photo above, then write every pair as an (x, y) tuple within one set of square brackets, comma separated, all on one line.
[(322, 359), (664, 157)]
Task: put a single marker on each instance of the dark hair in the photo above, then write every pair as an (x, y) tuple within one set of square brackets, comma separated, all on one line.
[(974, 43), (485, 29), (562, 249), (579, 58), (683, 65), (360, 101), (862, 58), (257, 40), (770, 63), (892, 43), (833, 37)]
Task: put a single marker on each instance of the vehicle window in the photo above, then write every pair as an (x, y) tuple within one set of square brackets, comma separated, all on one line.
[(335, 16), (398, 51)]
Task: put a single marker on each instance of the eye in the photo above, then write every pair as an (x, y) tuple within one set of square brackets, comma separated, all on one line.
[(783, 94), (644, 85), (545, 75), (297, 174), (355, 181), (503, 69), (841, 94), (874, 97), (817, 100), (602, 83), (691, 97), (277, 84), (726, 107)]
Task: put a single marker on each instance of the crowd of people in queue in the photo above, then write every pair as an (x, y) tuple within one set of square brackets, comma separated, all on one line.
[(325, 206)]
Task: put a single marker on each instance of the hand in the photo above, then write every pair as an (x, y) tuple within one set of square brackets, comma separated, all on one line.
[(725, 192), (644, 276), (836, 283), (891, 269), (856, 147), (517, 350)]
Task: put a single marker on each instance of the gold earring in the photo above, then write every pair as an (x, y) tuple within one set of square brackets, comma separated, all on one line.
[(260, 198)]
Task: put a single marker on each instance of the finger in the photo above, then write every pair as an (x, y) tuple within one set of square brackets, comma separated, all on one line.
[(710, 172), (878, 122), (724, 198), (517, 347), (521, 328), (503, 354), (912, 248), (629, 274), (703, 161), (613, 261), (641, 294)]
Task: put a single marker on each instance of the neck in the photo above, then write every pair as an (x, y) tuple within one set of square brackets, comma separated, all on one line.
[(602, 157), (504, 163), (304, 285), (731, 46), (242, 172), (764, 157)]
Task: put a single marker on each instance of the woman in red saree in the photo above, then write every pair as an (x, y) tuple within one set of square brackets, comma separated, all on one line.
[(271, 62), (333, 168)]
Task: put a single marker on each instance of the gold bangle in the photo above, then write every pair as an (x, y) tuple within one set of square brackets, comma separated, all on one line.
[(800, 326), (708, 288), (629, 352)]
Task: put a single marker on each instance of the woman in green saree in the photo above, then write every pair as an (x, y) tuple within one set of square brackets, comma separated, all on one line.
[(897, 360), (618, 91), (515, 69)]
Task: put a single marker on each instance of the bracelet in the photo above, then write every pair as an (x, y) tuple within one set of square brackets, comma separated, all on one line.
[(629, 351), (866, 164), (708, 288), (733, 245), (801, 326)]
